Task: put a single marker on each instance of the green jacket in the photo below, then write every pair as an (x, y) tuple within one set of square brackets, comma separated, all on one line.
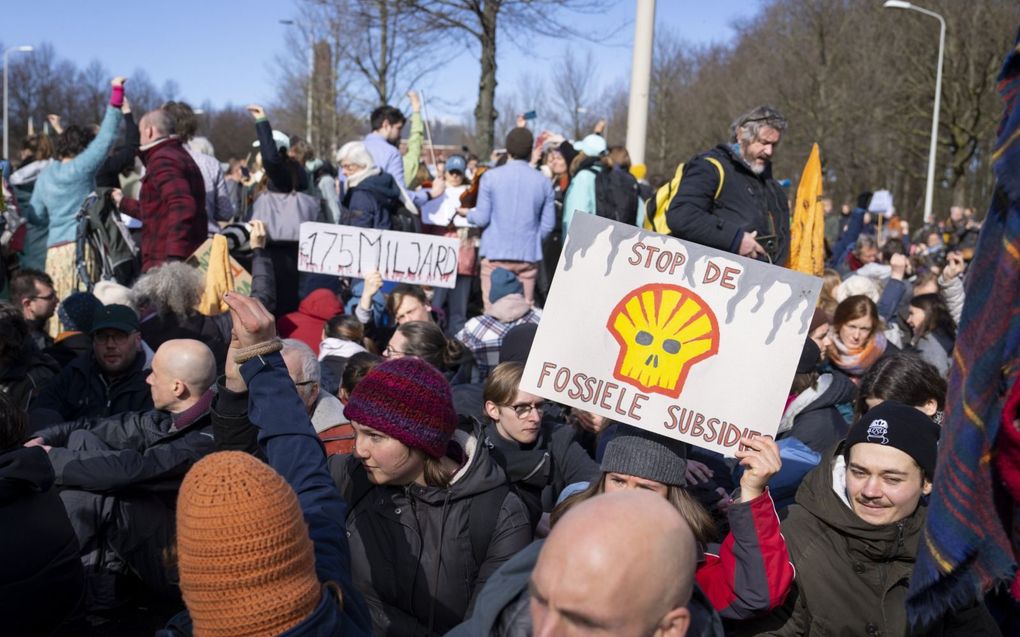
[(413, 155), (852, 577)]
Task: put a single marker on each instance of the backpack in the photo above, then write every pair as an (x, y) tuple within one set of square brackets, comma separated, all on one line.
[(655, 214), (111, 253), (616, 195)]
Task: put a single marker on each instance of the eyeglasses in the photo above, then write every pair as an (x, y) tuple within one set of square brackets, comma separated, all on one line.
[(523, 410), (305, 382), (49, 297), (389, 352), (116, 336)]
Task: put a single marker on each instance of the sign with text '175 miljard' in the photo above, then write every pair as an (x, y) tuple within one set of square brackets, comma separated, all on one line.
[(423, 259), (670, 336)]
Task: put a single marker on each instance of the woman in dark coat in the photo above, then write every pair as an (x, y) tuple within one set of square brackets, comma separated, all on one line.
[(431, 515)]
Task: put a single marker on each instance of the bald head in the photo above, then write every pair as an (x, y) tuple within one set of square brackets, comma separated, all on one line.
[(631, 546), (182, 370)]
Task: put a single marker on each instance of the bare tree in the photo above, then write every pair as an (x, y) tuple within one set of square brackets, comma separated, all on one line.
[(480, 21), (572, 92)]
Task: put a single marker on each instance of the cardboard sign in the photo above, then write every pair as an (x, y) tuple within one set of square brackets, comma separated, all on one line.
[(670, 336), (200, 259), (423, 259)]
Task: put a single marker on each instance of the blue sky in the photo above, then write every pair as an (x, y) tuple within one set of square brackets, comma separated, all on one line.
[(223, 51)]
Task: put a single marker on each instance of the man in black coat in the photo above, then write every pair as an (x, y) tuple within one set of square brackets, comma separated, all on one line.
[(108, 382), (119, 474), (727, 197)]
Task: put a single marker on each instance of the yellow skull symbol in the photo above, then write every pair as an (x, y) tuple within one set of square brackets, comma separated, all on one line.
[(662, 330)]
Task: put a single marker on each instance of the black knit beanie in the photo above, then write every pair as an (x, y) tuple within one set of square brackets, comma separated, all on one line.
[(636, 452), (901, 426)]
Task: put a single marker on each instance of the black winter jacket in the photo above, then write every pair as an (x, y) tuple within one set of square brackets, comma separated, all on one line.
[(42, 583), (540, 471), (411, 549), (82, 390), (813, 418), (371, 203), (146, 449), (747, 202)]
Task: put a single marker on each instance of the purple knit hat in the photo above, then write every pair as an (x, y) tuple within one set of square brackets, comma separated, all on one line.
[(409, 400)]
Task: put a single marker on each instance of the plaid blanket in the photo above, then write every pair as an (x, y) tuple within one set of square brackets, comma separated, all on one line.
[(966, 549)]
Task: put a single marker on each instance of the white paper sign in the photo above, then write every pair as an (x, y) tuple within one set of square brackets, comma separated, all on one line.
[(409, 257), (670, 336)]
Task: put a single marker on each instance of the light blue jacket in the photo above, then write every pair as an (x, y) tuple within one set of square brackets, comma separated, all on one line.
[(580, 196), (63, 186), (515, 208)]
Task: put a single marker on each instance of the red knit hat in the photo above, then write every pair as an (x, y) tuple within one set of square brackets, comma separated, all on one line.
[(407, 399)]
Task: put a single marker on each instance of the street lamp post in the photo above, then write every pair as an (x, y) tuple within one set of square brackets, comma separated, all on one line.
[(25, 49), (929, 191), (311, 83)]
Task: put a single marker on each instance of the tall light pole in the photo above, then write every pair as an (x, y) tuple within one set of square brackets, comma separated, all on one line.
[(311, 83), (640, 80), (929, 190), (25, 48)]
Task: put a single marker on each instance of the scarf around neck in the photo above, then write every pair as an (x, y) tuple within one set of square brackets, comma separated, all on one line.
[(856, 361)]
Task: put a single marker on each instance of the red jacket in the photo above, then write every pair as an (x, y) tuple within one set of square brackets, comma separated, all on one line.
[(306, 324), (171, 206), (752, 572)]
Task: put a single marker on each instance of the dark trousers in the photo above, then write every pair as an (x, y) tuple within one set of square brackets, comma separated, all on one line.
[(455, 300)]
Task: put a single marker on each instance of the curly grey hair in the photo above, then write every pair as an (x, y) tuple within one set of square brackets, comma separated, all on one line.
[(172, 288), (747, 126)]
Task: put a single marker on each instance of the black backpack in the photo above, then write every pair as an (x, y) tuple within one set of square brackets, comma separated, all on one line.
[(616, 195)]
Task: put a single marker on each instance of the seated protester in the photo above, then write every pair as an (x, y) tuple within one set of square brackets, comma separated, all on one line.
[(812, 422), (325, 410), (905, 378), (404, 303), (858, 341), (340, 439), (751, 574), (343, 336), (42, 589), (166, 298), (371, 196), (308, 322), (425, 340), (32, 291), (934, 331), (24, 370), (119, 474), (76, 313), (854, 531), (643, 553), (107, 382), (540, 457), (285, 520), (484, 334), (432, 515), (811, 414)]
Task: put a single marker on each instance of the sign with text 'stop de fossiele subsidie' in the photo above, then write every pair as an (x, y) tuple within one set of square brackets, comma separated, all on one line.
[(410, 257), (677, 338)]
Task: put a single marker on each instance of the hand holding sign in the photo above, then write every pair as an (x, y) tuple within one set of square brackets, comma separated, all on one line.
[(761, 461)]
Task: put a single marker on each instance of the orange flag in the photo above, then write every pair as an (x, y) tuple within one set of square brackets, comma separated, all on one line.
[(807, 229)]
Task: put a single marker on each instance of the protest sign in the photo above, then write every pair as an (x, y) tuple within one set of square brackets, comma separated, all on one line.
[(423, 259), (200, 259), (670, 336)]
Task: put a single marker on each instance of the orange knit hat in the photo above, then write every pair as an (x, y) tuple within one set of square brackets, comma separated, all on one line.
[(246, 562)]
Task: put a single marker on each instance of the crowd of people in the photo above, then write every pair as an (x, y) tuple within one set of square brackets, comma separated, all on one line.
[(336, 456)]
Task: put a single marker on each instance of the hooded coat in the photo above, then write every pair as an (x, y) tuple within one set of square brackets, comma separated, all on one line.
[(306, 324), (852, 577), (813, 417), (42, 582), (412, 554), (370, 202)]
